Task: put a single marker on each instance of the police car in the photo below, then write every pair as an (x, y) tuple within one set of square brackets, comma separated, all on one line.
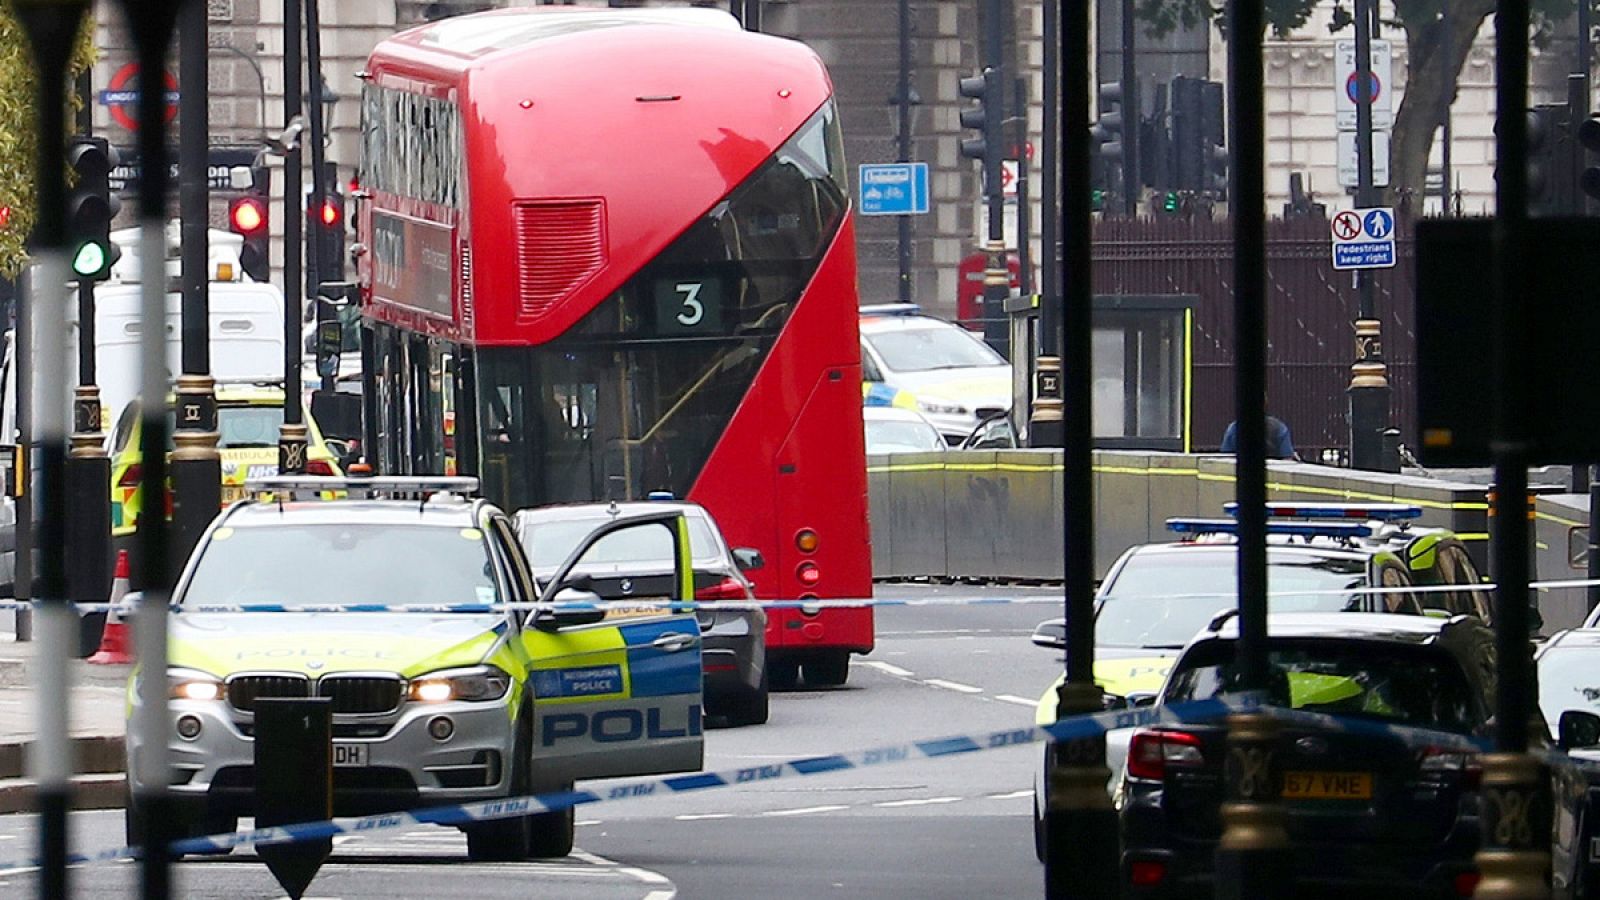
[(955, 379), (1320, 558), (429, 708)]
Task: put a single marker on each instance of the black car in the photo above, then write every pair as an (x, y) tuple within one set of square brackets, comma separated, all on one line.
[(1365, 810)]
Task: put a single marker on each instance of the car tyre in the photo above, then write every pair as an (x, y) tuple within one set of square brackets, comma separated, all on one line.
[(1038, 830), (783, 674), (551, 835), (750, 708), (507, 840), (186, 826), (829, 669)]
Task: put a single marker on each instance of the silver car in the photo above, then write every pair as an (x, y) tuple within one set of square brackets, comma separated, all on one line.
[(638, 565)]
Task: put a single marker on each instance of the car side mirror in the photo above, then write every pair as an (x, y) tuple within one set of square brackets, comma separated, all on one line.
[(1578, 729), (748, 559), (1051, 634), (557, 619), (1142, 698)]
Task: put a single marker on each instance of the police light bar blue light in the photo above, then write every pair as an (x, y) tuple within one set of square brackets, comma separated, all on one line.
[(302, 487), (1297, 529), (891, 309), (1382, 512), (660, 495)]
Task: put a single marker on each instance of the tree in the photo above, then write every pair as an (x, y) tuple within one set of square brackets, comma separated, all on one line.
[(1439, 34), (19, 132)]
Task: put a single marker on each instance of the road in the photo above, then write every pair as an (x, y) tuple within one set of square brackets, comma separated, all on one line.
[(927, 828)]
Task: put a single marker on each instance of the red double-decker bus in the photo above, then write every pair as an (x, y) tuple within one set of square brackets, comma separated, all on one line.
[(610, 252)]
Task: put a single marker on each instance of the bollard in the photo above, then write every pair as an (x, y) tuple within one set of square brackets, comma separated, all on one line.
[(1253, 855), (294, 782), (1082, 851)]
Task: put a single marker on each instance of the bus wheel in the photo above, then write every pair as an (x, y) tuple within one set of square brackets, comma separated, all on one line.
[(783, 674), (830, 668)]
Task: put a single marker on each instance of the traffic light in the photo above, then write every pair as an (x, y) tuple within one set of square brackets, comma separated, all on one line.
[(984, 118), (1545, 173), (1214, 140), (1589, 139), (330, 247), (1105, 136), (247, 217), (90, 208)]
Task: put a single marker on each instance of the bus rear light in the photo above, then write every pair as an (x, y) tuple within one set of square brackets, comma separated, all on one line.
[(805, 540), (808, 573), (728, 588), (1150, 753)]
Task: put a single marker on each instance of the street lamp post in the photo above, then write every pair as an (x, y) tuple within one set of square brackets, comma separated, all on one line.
[(903, 100), (1044, 429), (292, 436), (1369, 375)]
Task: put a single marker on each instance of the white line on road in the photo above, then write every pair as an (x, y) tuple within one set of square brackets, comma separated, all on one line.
[(645, 875), (889, 669), (929, 801), (953, 686), (1020, 701), (634, 872), (591, 859), (587, 822), (804, 811), (660, 895), (695, 817), (1014, 795)]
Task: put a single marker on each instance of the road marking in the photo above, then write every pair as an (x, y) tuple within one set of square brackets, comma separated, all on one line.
[(889, 669), (953, 686), (590, 858), (1020, 701), (1014, 795), (695, 817), (645, 875), (587, 822), (929, 801), (804, 811), (634, 872)]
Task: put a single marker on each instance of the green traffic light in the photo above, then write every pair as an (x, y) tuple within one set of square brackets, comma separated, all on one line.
[(1170, 203), (89, 260), (1097, 199)]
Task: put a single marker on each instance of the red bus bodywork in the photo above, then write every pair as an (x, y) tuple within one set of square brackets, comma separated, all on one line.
[(588, 147)]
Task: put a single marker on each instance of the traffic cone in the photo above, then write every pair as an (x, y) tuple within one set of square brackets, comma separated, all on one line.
[(114, 639)]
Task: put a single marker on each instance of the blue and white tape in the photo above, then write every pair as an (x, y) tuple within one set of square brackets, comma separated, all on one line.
[(1072, 728), (808, 605)]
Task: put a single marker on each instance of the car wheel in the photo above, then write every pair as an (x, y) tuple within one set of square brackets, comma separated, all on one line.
[(551, 835), (185, 825), (1038, 830), (783, 675), (829, 669), (507, 840), (749, 708)]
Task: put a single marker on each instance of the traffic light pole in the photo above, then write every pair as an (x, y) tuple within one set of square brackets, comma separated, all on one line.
[(902, 99), (52, 30), (292, 437), (1130, 115), (318, 234), (996, 275), (196, 465), (1044, 426), (1369, 375)]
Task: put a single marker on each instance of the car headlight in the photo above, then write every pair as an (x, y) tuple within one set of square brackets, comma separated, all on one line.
[(477, 683), (192, 684), (939, 407)]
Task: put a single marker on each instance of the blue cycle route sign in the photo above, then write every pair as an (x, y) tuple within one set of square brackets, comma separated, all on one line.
[(893, 189), (1363, 238)]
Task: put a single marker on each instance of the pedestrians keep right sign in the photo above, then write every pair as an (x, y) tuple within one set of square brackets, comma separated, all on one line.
[(1363, 238), (894, 189)]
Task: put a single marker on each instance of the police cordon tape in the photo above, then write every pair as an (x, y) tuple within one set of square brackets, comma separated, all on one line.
[(1071, 728), (806, 605)]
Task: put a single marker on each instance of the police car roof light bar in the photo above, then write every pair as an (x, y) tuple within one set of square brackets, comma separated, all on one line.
[(1382, 512), (361, 486), (1195, 527), (891, 309)]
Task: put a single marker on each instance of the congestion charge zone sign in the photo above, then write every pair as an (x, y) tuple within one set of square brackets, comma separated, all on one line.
[(1363, 238)]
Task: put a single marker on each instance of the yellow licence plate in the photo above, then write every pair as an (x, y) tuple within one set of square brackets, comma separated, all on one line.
[(1327, 786), (232, 492)]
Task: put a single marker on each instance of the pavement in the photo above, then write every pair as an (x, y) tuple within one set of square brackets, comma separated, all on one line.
[(95, 710)]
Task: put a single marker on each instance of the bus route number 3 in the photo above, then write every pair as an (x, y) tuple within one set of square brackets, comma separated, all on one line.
[(688, 306)]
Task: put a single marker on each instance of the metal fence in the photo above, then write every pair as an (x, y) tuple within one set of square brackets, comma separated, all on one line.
[(1310, 319)]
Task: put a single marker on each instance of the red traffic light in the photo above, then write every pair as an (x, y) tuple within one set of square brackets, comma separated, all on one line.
[(331, 212), (247, 215)]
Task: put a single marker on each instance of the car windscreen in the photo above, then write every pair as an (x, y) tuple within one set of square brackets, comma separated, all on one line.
[(549, 543), (902, 437), (1420, 686), (303, 565), (1569, 678), (243, 427), (928, 349), (1163, 599)]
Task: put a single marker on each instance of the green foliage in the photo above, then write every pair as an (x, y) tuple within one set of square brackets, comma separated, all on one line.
[(19, 131)]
